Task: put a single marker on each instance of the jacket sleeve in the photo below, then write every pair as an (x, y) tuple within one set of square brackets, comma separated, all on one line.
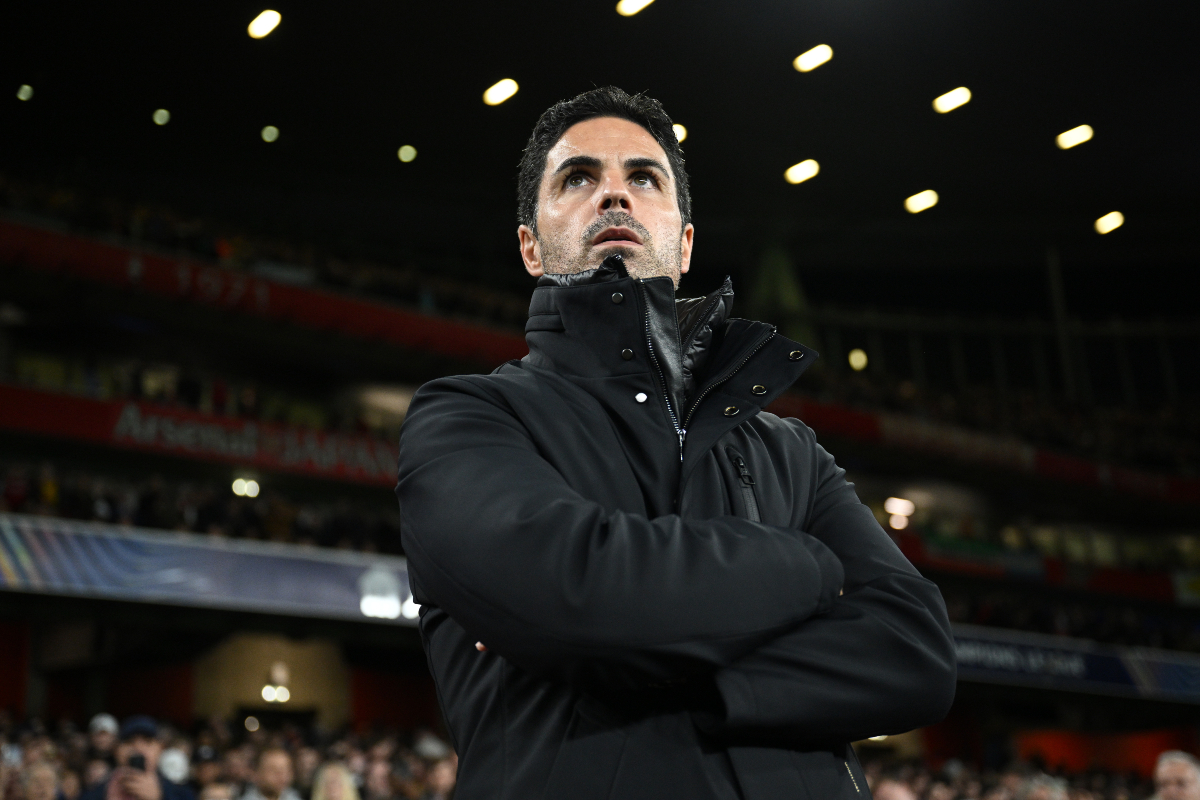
[(880, 662), (553, 582)]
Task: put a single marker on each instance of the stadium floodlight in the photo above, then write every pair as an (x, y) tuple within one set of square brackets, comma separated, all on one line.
[(1068, 139), (1110, 222), (680, 131), (799, 173), (900, 506), (952, 100), (162, 116), (627, 8), (25, 92), (858, 359), (898, 521), (407, 153), (921, 201), (811, 59), (264, 23), (270, 133), (500, 91)]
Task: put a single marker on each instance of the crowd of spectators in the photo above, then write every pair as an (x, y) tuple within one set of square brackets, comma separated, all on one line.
[(141, 759), (197, 507), (1176, 777), (1163, 438)]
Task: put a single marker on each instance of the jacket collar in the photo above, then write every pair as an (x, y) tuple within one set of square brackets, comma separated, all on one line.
[(713, 371), (682, 334)]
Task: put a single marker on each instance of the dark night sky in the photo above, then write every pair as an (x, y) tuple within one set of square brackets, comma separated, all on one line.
[(348, 83)]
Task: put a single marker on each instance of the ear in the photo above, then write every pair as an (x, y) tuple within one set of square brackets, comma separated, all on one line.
[(531, 251), (685, 247)]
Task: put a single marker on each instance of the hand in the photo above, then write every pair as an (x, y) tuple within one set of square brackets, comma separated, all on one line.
[(141, 785)]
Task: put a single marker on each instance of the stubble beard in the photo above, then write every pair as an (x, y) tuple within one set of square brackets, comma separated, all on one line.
[(562, 256)]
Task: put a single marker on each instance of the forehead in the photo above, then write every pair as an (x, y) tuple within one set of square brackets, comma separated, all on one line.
[(610, 139), (1174, 769)]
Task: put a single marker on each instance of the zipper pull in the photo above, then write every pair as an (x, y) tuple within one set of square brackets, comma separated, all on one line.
[(682, 435), (739, 462)]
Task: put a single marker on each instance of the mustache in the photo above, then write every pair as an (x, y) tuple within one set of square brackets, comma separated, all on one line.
[(616, 219)]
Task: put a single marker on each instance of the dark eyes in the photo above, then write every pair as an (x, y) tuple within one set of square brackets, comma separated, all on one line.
[(643, 180)]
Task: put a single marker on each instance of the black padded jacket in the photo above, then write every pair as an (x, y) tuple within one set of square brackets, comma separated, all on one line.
[(654, 564)]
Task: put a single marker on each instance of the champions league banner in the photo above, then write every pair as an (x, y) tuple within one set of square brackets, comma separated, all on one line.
[(993, 655), (112, 562), (97, 560)]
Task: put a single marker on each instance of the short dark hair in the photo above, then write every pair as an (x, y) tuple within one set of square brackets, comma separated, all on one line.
[(606, 101)]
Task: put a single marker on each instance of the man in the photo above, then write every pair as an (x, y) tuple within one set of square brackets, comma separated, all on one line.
[(136, 776), (1177, 776), (102, 737), (634, 582), (272, 778)]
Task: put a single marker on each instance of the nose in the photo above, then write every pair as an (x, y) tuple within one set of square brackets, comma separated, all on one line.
[(613, 195)]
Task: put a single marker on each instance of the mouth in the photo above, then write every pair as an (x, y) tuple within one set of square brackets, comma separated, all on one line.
[(616, 236)]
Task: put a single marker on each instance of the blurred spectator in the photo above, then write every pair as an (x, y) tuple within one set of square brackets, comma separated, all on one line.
[(273, 777), (39, 781), (1043, 787), (889, 789), (307, 762), (136, 776), (334, 782), (206, 768), (95, 773), (442, 778), (102, 738), (1177, 776)]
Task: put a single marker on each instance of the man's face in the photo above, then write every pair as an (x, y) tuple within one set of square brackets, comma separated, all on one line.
[(103, 741), (1177, 780), (607, 188), (274, 773)]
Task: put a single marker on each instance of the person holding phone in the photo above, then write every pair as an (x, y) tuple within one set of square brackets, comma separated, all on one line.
[(136, 776)]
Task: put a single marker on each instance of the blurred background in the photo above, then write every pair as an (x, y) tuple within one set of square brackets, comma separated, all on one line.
[(234, 239)]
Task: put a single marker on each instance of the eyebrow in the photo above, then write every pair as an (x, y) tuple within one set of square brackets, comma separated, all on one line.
[(630, 164), (579, 161), (646, 163)]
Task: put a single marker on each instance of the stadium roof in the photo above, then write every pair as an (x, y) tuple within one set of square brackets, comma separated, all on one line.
[(346, 85)]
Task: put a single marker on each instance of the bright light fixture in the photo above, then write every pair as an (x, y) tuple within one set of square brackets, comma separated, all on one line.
[(898, 505), (921, 201), (252, 724), (952, 100), (858, 359), (1068, 139), (407, 153), (411, 608), (1110, 222), (680, 131), (500, 91), (799, 173), (162, 116), (627, 8), (25, 92), (270, 133), (282, 695), (239, 487), (268, 693), (898, 521), (380, 606), (811, 59), (252, 488), (879, 738), (264, 23)]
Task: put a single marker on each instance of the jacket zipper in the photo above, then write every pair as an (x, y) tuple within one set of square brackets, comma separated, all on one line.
[(724, 377), (852, 780), (747, 484), (662, 379), (699, 321)]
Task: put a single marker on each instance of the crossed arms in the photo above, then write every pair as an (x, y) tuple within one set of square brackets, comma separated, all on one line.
[(558, 585)]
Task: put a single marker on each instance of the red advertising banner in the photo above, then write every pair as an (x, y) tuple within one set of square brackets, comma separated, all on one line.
[(195, 280), (171, 431)]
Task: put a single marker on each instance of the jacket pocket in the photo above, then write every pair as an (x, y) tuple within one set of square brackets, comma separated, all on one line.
[(745, 484)]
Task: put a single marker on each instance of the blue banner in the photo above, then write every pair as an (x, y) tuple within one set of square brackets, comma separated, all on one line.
[(88, 559)]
